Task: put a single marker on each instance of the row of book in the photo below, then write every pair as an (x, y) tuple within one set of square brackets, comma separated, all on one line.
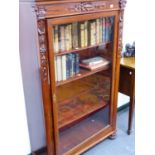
[(66, 66), (82, 34)]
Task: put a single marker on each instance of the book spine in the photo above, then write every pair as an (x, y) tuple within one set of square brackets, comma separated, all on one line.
[(55, 68), (82, 34), (103, 31), (62, 38), (86, 33), (75, 35), (72, 70), (59, 69), (111, 28), (100, 33), (107, 29), (56, 39), (70, 36), (93, 33), (67, 37), (97, 31), (67, 66), (63, 66), (77, 69)]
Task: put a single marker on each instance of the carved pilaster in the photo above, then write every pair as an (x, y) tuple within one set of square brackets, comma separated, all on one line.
[(122, 4), (43, 49)]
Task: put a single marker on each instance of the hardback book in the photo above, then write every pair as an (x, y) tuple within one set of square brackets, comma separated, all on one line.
[(75, 35), (62, 38), (67, 37), (70, 36), (77, 68), (97, 31), (68, 65), (73, 64), (93, 61), (111, 28), (107, 29), (86, 33), (55, 68), (59, 68), (92, 32), (56, 39), (82, 34), (103, 30), (92, 67), (100, 33), (63, 66)]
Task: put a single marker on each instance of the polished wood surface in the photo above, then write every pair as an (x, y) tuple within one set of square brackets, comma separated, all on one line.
[(127, 85), (91, 129), (128, 62)]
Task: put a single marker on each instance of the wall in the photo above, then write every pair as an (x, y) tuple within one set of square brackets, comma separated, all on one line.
[(14, 138), (31, 75)]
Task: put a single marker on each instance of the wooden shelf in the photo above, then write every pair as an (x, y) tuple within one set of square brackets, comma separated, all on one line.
[(83, 73), (88, 100), (73, 136), (80, 49)]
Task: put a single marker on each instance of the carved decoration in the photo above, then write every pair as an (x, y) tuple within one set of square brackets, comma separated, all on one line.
[(122, 4), (43, 49), (40, 12), (87, 6)]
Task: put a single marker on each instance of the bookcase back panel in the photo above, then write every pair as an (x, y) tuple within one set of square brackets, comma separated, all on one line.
[(83, 109)]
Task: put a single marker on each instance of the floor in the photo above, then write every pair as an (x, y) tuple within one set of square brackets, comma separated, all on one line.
[(123, 144)]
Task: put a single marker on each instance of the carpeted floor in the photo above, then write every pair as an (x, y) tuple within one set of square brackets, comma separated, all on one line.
[(123, 144)]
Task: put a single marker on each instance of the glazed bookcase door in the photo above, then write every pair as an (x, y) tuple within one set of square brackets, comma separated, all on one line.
[(83, 102)]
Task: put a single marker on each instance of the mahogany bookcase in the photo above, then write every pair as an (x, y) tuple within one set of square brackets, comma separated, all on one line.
[(81, 111)]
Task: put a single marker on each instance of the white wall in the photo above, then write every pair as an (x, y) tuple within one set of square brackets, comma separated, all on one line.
[(14, 138)]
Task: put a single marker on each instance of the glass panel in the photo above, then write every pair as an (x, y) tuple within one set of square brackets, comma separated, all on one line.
[(83, 54)]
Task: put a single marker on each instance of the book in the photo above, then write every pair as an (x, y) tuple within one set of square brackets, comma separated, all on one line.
[(62, 38), (97, 31), (55, 68), (92, 28), (72, 68), (103, 31), (63, 66), (75, 34), (86, 33), (77, 58), (56, 39), (67, 37), (93, 61), (108, 29), (100, 30), (82, 34), (70, 36), (68, 66), (111, 28), (59, 68), (92, 67)]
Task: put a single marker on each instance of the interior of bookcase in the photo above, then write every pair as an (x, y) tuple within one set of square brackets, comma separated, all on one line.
[(84, 98)]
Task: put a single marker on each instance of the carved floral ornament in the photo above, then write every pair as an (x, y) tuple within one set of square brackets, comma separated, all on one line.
[(122, 4), (40, 12)]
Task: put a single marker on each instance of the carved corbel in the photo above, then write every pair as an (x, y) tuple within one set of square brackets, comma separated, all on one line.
[(122, 4)]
